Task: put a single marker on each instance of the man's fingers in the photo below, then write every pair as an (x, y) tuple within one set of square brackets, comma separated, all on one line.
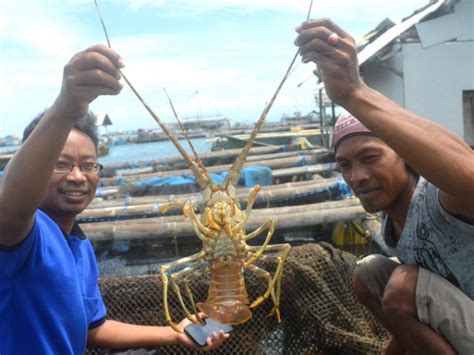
[(323, 22), (216, 339), (92, 60), (112, 55), (312, 33), (99, 78), (91, 93), (318, 50), (321, 34)]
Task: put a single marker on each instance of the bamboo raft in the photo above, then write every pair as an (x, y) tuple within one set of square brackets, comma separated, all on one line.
[(281, 161), (179, 226), (305, 193), (174, 162)]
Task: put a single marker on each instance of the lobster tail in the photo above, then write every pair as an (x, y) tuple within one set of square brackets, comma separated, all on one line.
[(227, 301)]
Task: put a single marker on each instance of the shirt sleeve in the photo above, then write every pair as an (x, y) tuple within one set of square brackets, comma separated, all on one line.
[(12, 259)]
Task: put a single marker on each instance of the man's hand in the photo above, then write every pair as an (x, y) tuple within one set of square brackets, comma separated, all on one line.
[(212, 342), (89, 74), (336, 62)]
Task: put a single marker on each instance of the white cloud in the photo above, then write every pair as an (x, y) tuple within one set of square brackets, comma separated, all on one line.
[(43, 27), (235, 73), (295, 6)]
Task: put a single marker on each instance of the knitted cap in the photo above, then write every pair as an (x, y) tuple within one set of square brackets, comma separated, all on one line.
[(347, 126)]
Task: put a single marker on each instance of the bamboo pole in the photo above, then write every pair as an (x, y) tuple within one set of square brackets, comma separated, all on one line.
[(319, 153), (207, 158), (303, 170), (143, 200), (272, 163), (314, 214), (269, 212), (175, 203), (277, 174)]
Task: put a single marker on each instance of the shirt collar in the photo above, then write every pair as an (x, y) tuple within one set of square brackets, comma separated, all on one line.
[(75, 232)]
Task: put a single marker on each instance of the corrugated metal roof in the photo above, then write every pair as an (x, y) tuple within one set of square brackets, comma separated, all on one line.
[(395, 31)]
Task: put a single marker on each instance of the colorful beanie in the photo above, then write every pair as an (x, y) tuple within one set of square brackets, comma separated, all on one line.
[(348, 126)]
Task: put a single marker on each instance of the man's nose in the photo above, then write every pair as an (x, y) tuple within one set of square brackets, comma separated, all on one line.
[(76, 174), (359, 173)]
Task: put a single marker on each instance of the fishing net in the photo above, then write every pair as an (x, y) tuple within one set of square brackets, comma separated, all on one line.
[(319, 312)]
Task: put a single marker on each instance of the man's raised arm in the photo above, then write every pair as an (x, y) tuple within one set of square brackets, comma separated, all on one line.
[(431, 150), (89, 74)]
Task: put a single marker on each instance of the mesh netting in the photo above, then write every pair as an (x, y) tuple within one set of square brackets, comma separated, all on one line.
[(319, 312)]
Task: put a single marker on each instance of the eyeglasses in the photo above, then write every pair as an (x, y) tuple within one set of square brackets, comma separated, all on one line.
[(64, 167)]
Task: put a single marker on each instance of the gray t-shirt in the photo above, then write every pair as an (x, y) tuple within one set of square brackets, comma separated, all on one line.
[(434, 239)]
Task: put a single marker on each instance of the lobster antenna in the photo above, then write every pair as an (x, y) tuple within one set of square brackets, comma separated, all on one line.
[(233, 177), (194, 168), (181, 125), (198, 160)]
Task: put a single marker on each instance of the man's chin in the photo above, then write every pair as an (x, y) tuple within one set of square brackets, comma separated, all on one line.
[(73, 209), (371, 207)]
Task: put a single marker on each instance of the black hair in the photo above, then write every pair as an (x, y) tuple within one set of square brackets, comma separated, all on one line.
[(86, 125)]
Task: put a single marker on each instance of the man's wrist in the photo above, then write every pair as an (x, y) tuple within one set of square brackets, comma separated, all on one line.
[(63, 111), (170, 336), (360, 99)]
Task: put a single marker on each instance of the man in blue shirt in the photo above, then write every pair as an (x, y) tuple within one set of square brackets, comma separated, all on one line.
[(50, 301)]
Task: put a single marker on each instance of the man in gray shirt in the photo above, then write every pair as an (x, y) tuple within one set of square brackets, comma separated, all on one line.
[(422, 177)]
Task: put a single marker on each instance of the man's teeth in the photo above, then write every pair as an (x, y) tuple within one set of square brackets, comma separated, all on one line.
[(74, 193)]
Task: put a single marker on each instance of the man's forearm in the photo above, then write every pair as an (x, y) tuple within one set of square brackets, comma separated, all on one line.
[(433, 151), (116, 335), (27, 175)]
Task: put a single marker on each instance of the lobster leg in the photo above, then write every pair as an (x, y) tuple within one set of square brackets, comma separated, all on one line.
[(199, 228), (251, 200), (270, 225), (191, 298), (267, 275), (284, 249), (166, 272), (186, 272)]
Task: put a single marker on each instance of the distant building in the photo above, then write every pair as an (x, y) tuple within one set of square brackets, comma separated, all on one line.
[(425, 63), (11, 140), (299, 119), (204, 123)]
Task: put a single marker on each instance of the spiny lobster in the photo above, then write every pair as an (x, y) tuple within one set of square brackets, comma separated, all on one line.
[(225, 252)]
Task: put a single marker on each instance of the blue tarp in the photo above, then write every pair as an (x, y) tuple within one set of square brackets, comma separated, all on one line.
[(250, 176)]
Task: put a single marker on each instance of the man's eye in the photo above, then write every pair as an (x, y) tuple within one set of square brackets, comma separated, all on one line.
[(62, 165), (88, 166), (370, 158)]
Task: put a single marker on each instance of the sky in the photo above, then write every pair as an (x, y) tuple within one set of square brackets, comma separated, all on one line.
[(214, 57)]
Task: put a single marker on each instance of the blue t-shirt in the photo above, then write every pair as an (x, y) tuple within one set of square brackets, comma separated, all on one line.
[(49, 296)]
